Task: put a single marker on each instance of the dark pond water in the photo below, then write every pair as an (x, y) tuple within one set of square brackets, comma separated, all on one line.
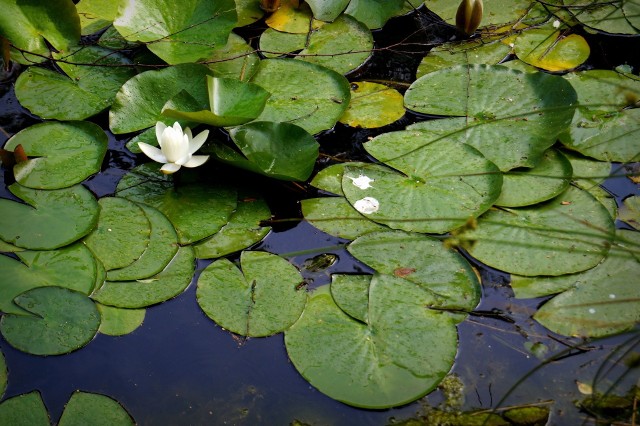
[(181, 368)]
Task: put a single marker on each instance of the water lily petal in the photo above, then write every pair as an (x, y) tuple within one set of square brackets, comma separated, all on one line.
[(160, 127), (187, 131), (169, 168), (183, 160), (177, 128), (196, 160), (175, 146), (152, 152), (196, 143)]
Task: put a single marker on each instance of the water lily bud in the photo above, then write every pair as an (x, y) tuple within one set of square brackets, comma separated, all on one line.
[(269, 5), (469, 16)]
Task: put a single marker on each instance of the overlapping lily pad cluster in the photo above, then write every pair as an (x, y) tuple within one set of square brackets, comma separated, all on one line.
[(509, 172)]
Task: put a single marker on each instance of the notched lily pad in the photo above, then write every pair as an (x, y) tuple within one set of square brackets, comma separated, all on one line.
[(50, 219), (351, 294), (62, 154), (62, 321), (265, 298)]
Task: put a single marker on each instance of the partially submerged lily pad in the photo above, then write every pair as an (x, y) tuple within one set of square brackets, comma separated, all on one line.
[(94, 409), (569, 233), (373, 105), (73, 267), (197, 211), (52, 218), (62, 321), (118, 243), (604, 300), (119, 321), (262, 299), (63, 154), (497, 104), (169, 283)]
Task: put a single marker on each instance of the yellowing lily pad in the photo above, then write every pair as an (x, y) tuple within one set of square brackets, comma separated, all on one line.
[(550, 50), (373, 105), (63, 154), (265, 298), (51, 218)]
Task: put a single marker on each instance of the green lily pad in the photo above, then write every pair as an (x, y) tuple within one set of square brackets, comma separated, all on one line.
[(112, 39), (496, 13), (169, 283), (244, 64), (630, 211), (139, 102), (375, 13), (329, 179), (51, 219), (162, 247), (248, 12), (551, 50), (293, 16), (603, 15), (442, 273), (232, 102), (83, 92), (63, 320), (243, 229), (118, 243), (96, 15), (498, 104), (264, 298), (327, 10), (24, 410), (302, 93), (474, 51), (400, 355), (602, 128), (278, 150), (28, 23), (119, 321), (178, 31), (351, 294), (342, 45), (570, 233), (65, 153), (604, 300), (84, 408), (373, 105), (73, 267), (335, 216), (442, 184), (524, 187), (197, 211)]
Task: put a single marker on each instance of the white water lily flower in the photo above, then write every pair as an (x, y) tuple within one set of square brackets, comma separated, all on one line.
[(176, 147)]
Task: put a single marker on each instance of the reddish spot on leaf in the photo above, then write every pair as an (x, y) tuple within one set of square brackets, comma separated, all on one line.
[(19, 154), (403, 272)]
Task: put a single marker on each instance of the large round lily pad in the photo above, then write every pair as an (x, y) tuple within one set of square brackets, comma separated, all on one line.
[(139, 102), (52, 218), (265, 298), (169, 283), (442, 184), (86, 89), (569, 233), (178, 31), (244, 64), (604, 300), (197, 211), (308, 95), (506, 117), (65, 153), (116, 242), (351, 294), (73, 267), (62, 321), (84, 408), (399, 356), (442, 273), (606, 16)]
